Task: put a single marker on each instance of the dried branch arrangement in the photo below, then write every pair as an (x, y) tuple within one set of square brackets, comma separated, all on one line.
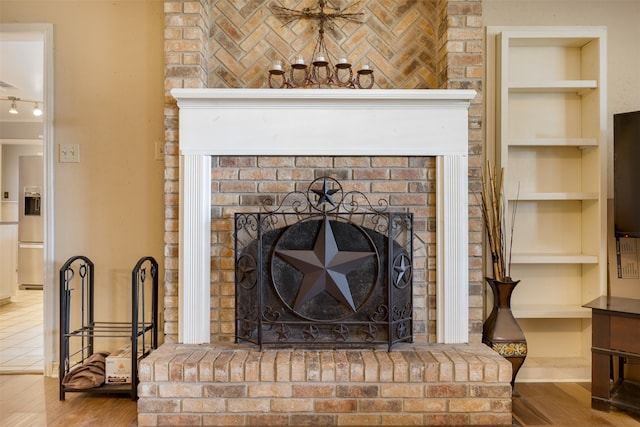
[(493, 212)]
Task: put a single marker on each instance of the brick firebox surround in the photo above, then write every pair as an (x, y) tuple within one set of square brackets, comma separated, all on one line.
[(213, 44)]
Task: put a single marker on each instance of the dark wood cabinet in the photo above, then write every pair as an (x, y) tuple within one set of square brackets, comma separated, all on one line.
[(616, 338)]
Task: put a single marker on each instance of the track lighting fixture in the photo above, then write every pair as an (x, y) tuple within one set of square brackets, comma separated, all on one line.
[(13, 109)]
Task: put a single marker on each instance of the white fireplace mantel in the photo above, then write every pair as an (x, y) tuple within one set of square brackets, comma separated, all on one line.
[(321, 122)]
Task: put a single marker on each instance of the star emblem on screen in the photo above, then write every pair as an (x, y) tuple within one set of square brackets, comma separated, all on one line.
[(325, 268)]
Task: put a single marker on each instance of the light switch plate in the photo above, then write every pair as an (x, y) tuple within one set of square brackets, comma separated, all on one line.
[(69, 153)]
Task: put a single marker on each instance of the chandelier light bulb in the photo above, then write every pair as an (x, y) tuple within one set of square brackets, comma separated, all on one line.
[(14, 107), (36, 110)]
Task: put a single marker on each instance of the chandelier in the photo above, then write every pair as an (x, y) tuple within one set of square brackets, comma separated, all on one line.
[(322, 70)]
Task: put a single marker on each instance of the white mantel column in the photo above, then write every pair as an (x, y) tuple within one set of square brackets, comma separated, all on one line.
[(452, 249), (194, 287)]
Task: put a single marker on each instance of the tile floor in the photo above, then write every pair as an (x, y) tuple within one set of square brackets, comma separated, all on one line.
[(21, 334)]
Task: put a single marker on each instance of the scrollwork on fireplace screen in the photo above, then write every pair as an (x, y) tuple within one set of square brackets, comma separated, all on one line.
[(324, 268)]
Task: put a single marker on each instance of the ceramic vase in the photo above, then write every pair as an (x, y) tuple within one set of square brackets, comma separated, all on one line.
[(501, 330)]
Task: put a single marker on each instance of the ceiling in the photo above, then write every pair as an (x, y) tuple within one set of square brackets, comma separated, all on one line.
[(21, 74)]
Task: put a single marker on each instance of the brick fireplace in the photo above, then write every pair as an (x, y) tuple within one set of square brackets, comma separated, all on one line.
[(412, 45), (198, 377), (218, 383)]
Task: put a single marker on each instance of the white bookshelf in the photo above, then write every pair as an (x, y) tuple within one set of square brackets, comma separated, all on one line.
[(547, 115)]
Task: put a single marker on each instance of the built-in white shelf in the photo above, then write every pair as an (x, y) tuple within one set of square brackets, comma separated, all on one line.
[(550, 130)]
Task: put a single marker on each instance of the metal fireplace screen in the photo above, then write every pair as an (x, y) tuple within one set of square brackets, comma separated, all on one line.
[(324, 268)]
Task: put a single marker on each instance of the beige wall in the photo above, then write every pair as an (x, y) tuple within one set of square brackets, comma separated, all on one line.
[(621, 17), (109, 99)]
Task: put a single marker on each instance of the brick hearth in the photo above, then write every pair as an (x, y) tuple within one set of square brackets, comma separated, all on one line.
[(228, 385)]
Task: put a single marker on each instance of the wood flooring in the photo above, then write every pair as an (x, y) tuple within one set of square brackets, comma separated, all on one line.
[(563, 404), (32, 401)]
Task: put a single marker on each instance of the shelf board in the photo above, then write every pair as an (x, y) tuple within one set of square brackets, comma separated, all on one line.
[(541, 196), (538, 369), (563, 38), (552, 86), (550, 311), (547, 258), (552, 142)]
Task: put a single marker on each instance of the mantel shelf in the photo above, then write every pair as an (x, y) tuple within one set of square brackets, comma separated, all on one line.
[(275, 122)]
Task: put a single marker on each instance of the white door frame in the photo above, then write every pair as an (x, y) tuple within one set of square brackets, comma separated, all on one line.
[(50, 305)]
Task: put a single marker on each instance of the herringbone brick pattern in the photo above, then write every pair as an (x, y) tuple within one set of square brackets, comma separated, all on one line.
[(395, 36)]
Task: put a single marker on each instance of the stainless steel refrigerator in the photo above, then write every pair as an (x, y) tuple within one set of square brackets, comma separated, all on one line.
[(30, 223)]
